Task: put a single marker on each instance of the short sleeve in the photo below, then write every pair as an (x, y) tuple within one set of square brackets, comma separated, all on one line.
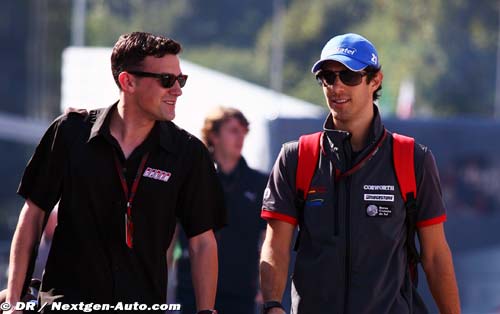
[(261, 185), (279, 196), (201, 204), (430, 204), (43, 176)]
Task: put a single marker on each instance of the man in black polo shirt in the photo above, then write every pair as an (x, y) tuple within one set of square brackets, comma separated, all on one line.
[(351, 260), (123, 176)]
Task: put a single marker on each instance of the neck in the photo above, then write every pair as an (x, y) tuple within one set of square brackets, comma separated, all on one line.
[(129, 127), (359, 129), (226, 163)]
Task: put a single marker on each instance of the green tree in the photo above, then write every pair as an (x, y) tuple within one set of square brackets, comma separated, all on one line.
[(447, 47), (468, 34), (108, 19)]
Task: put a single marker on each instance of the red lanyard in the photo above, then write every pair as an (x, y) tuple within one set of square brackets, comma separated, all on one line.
[(339, 175), (129, 226)]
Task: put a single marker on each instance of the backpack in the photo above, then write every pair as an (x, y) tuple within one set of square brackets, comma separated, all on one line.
[(403, 158)]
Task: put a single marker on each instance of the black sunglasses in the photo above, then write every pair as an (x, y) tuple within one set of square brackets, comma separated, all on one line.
[(348, 77), (167, 80)]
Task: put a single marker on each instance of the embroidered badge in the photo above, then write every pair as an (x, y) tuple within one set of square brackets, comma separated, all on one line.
[(379, 197), (267, 193), (157, 174), (378, 211), (317, 189), (315, 202), (250, 195)]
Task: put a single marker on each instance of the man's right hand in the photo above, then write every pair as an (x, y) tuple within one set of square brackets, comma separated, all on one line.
[(274, 260), (28, 232), (13, 311)]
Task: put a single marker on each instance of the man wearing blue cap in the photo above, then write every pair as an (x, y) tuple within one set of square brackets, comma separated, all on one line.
[(355, 246)]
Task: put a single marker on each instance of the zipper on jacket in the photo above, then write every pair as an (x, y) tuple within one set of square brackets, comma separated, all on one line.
[(336, 212), (348, 245)]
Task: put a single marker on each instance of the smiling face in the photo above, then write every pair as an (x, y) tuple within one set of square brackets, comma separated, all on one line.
[(153, 101), (349, 103)]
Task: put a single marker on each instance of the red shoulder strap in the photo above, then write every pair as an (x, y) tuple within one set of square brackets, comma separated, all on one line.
[(403, 149), (309, 149)]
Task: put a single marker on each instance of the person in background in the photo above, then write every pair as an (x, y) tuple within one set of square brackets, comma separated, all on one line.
[(224, 133)]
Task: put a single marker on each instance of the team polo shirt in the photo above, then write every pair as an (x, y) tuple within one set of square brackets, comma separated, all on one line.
[(75, 164), (352, 258)]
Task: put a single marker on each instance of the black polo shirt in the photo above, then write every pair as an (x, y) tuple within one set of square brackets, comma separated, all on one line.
[(89, 260)]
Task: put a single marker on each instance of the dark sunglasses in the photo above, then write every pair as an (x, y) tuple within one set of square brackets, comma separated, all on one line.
[(348, 77), (167, 80)]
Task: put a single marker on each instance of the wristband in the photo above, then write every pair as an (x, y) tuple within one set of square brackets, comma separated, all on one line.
[(207, 312), (271, 304)]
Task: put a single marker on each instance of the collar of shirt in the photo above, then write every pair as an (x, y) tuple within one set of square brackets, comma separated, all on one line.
[(161, 130), (227, 178), (338, 142)]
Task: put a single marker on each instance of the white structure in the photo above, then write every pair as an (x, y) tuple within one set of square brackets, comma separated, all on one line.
[(87, 83)]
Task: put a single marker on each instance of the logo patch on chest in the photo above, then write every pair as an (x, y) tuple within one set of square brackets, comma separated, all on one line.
[(317, 189), (373, 210), (157, 174), (250, 195), (315, 202), (379, 197)]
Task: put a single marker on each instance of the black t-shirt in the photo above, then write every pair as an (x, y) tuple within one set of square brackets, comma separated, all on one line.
[(89, 260)]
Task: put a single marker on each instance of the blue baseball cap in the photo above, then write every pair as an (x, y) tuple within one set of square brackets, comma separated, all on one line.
[(352, 50)]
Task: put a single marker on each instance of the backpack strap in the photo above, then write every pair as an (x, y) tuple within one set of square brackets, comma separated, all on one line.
[(403, 152), (309, 147), (404, 165), (308, 156)]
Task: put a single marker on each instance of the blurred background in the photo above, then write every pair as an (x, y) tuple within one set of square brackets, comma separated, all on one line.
[(441, 63)]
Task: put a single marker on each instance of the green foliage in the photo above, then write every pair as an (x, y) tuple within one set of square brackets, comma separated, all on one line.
[(239, 62), (447, 47), (469, 38), (108, 19)]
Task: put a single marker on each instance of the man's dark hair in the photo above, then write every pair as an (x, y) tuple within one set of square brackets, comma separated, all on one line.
[(371, 73), (132, 48)]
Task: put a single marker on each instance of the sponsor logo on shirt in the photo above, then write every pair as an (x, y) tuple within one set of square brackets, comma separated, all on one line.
[(373, 210), (316, 189), (267, 193), (250, 195), (367, 187), (157, 174), (379, 197), (315, 202)]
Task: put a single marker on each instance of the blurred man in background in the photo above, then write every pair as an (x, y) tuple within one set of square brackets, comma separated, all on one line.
[(353, 250), (123, 175), (224, 132)]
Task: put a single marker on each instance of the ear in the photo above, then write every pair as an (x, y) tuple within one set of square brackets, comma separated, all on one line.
[(127, 82), (377, 80)]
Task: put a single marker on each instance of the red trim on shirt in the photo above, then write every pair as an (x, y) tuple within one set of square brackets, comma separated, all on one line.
[(267, 214), (432, 221)]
